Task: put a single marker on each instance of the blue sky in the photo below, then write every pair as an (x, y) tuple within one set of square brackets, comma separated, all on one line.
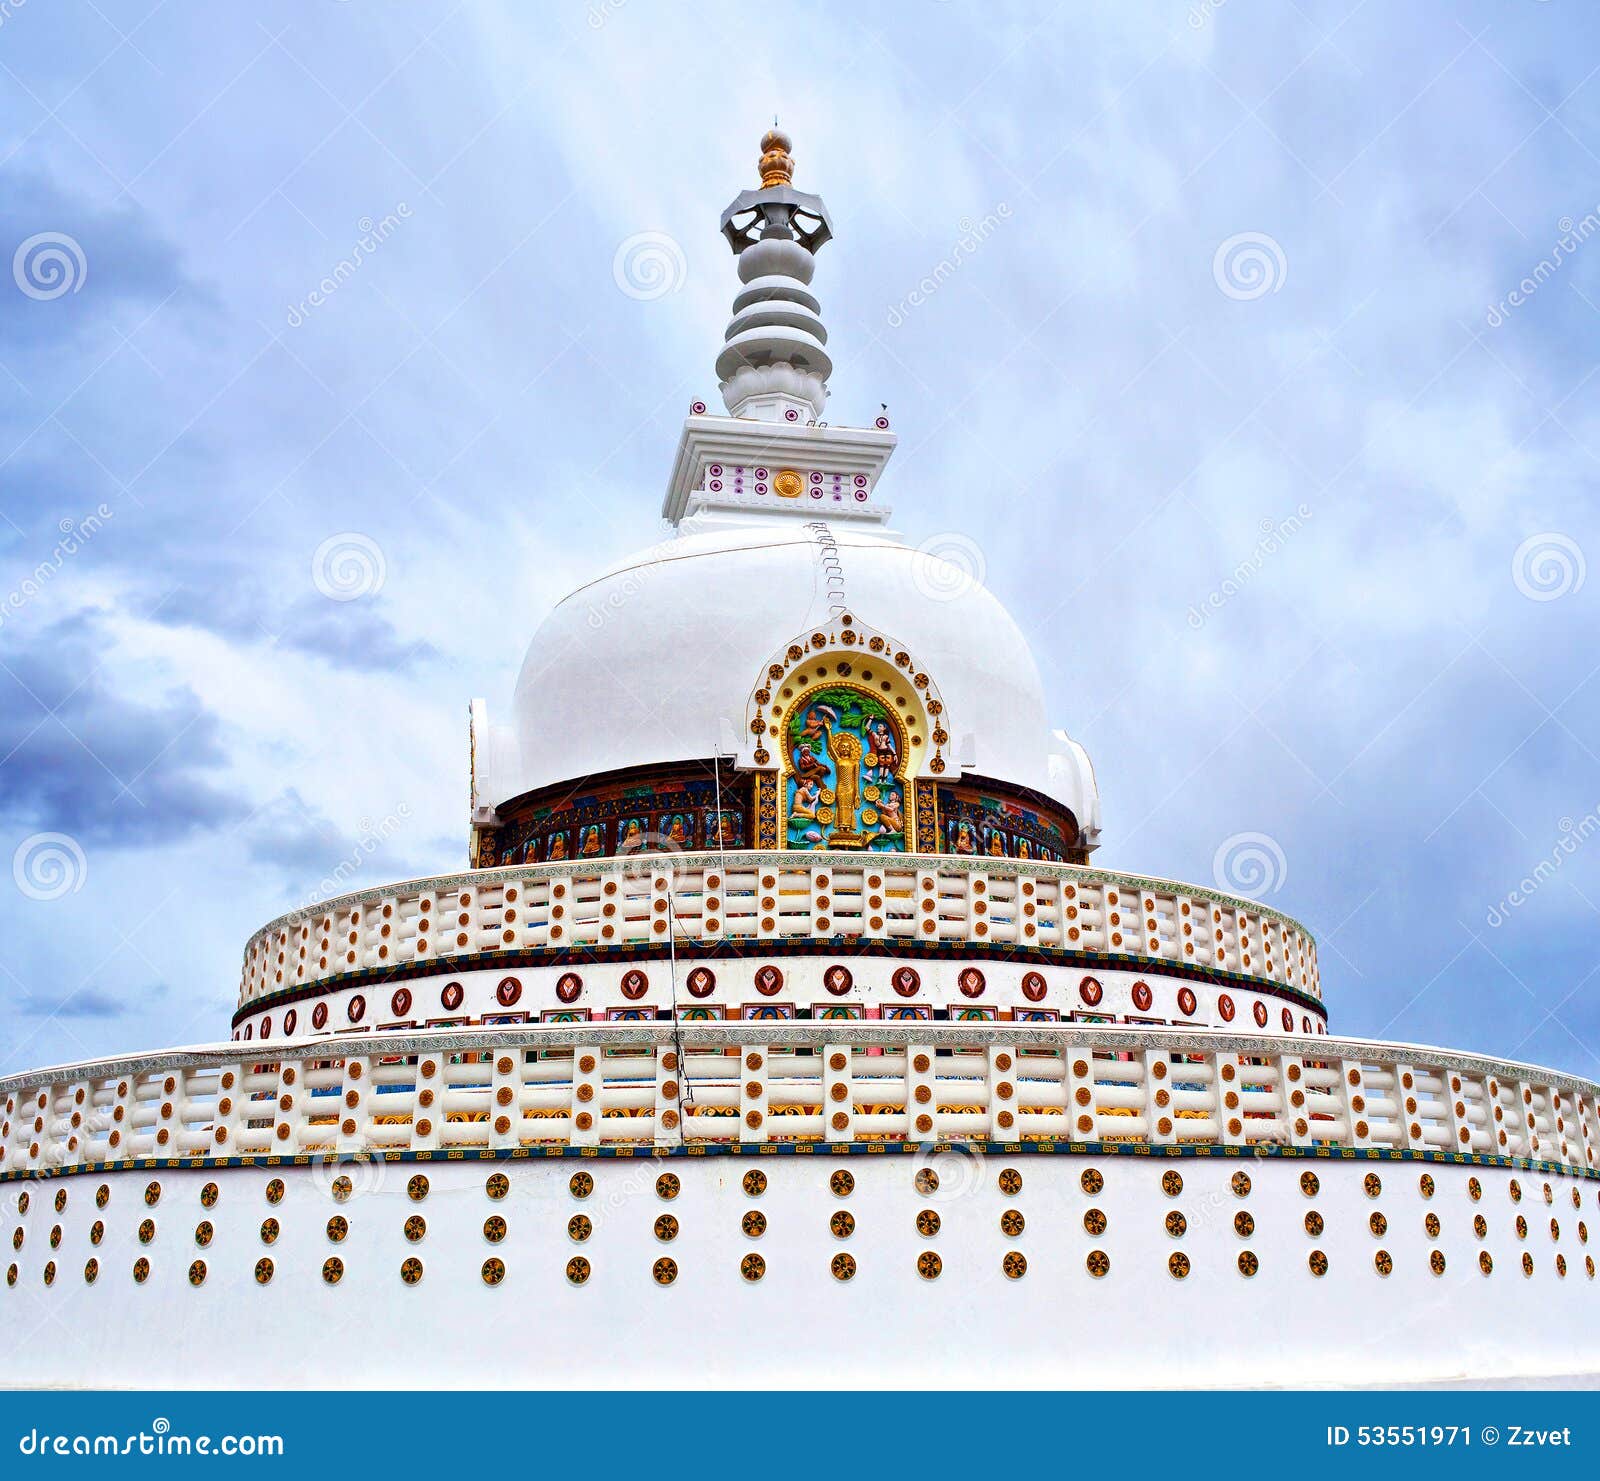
[(1298, 524)]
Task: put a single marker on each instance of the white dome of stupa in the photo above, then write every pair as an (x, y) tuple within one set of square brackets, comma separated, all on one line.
[(655, 659)]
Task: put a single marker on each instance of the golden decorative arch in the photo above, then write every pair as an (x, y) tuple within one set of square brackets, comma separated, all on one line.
[(849, 734)]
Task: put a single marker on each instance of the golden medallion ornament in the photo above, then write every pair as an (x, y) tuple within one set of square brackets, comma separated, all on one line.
[(493, 1271), (264, 1269), (494, 1229), (269, 1231), (927, 1223), (417, 1187), (11, 1275), (1248, 1263), (97, 1232), (1431, 1225), (1378, 1225), (342, 1188), (1244, 1224), (579, 1228), (50, 1272), (147, 1231), (203, 1233), (1514, 1188), (338, 1228), (1009, 1181), (1310, 1185), (1474, 1189), (842, 1182), (1240, 1183), (1012, 1223), (1318, 1263), (1382, 1262), (411, 1270), (1480, 1226), (22, 1201), (1436, 1261), (498, 1186), (929, 1265), (1091, 1181), (926, 1181), (755, 1182), (578, 1270), (1094, 1222), (753, 1267), (1176, 1224), (664, 1271), (1425, 1185), (415, 1228), (208, 1196), (666, 1228), (581, 1184), (1014, 1265), (1527, 1264), (754, 1224), (333, 1270), (152, 1194), (843, 1266), (141, 1271), (1172, 1182), (1485, 1262), (843, 1224), (1178, 1266), (61, 1200), (91, 1271), (1372, 1185), (275, 1191), (1522, 1227), (1098, 1264), (102, 1195), (197, 1273), (668, 1186), (788, 484)]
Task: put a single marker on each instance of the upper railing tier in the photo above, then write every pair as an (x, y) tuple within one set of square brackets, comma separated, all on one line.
[(752, 896)]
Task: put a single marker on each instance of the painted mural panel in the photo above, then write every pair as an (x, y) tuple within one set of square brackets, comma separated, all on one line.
[(846, 784)]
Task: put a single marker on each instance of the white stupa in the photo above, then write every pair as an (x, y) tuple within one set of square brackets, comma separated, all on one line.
[(782, 1033)]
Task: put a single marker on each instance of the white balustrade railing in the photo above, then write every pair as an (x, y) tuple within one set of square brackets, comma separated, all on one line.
[(777, 896), (666, 1084)]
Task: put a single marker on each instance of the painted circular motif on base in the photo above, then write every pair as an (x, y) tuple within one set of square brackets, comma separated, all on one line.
[(1176, 1224), (569, 987), (664, 1271), (264, 1269), (494, 1229), (578, 1270), (843, 1266), (1009, 1181), (141, 1270), (1248, 1263), (498, 1186), (269, 1231), (197, 1273), (843, 1224), (1091, 1180), (1318, 1262), (926, 1181), (755, 1182), (579, 1227), (417, 1187), (702, 982), (411, 1270), (1014, 1265), (1178, 1266), (666, 1228), (493, 1271), (843, 1182), (668, 1186), (1171, 1183), (752, 1267), (91, 1271), (1098, 1263), (928, 1223), (333, 1270), (1012, 1223), (754, 1224), (1033, 986), (338, 1228), (581, 1184), (415, 1228)]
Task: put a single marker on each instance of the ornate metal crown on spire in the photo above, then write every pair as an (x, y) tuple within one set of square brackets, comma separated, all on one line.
[(774, 357)]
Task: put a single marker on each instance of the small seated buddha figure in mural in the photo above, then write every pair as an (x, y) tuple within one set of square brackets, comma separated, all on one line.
[(558, 846), (966, 838), (632, 836), (677, 831), (590, 844), (1024, 851), (997, 844)]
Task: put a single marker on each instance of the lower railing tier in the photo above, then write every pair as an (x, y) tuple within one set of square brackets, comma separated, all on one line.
[(667, 1084)]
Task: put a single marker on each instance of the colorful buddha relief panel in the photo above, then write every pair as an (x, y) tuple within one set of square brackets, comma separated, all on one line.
[(845, 755)]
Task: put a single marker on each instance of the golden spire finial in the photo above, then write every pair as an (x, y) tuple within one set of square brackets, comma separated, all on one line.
[(777, 168)]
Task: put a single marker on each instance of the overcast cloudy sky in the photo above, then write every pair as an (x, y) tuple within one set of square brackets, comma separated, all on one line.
[(1298, 524)]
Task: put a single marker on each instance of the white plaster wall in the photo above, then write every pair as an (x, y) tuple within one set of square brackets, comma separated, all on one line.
[(799, 1326)]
